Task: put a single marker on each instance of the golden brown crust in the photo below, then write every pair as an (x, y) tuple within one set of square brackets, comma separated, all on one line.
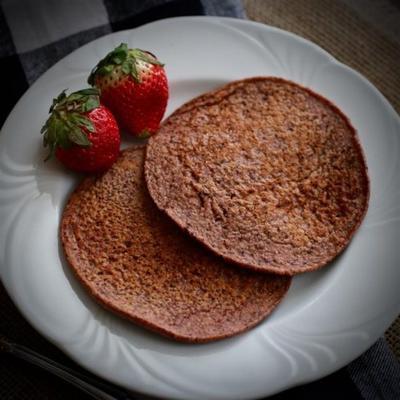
[(135, 261), (264, 172)]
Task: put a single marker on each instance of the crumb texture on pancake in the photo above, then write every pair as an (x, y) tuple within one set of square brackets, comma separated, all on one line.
[(264, 172), (139, 264)]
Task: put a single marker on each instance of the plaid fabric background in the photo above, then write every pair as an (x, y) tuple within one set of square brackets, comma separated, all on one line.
[(34, 34)]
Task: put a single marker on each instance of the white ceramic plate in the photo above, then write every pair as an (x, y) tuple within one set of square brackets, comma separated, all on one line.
[(328, 317)]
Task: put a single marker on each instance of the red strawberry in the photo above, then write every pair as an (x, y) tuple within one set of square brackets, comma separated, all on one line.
[(82, 133), (134, 86)]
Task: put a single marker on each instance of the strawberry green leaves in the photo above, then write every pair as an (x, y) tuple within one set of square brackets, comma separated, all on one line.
[(81, 101), (119, 54), (67, 123), (129, 68), (76, 136), (105, 66), (127, 60), (57, 100)]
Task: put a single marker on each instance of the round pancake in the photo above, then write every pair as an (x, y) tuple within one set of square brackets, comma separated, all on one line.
[(264, 172), (136, 262)]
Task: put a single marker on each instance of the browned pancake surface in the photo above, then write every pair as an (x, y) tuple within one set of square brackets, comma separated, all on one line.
[(138, 263), (264, 172)]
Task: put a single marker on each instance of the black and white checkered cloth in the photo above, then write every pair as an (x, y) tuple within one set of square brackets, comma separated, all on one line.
[(34, 34)]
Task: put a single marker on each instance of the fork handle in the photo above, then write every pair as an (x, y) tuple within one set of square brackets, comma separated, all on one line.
[(95, 388)]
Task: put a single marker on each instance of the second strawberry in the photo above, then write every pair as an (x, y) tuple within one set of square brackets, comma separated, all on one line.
[(134, 86)]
